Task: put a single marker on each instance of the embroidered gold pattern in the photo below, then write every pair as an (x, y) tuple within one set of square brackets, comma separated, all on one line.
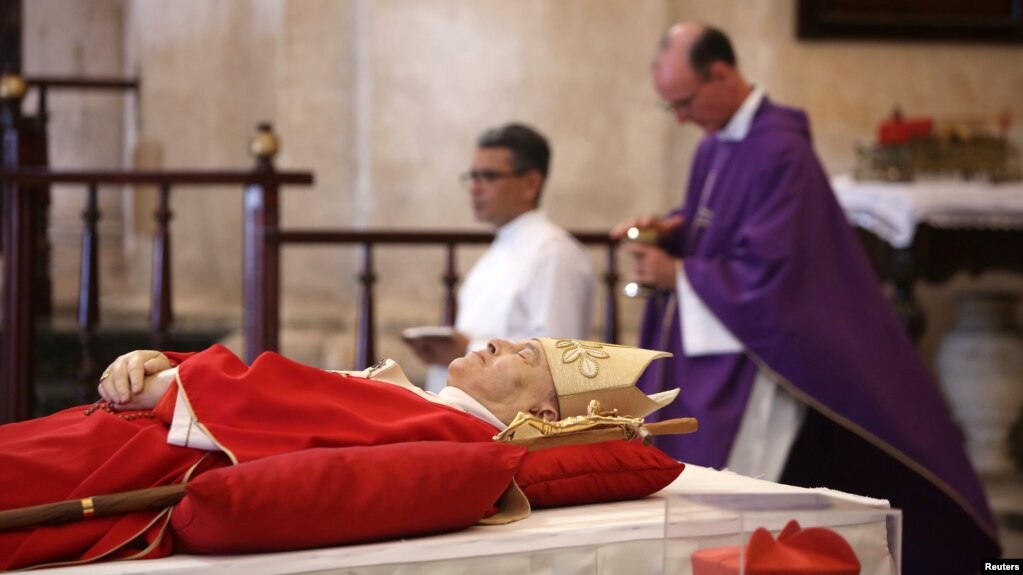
[(595, 418), (585, 352)]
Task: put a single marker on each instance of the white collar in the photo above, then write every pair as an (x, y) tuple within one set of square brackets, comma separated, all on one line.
[(388, 371), (519, 223), (738, 127), (468, 404)]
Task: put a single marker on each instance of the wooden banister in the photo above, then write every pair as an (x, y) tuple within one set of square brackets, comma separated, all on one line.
[(263, 240), (611, 296), (15, 88), (365, 346), (43, 85), (366, 239), (42, 176), (331, 236), (161, 314), (262, 272), (450, 278), (22, 144), (83, 83), (21, 186), (88, 293)]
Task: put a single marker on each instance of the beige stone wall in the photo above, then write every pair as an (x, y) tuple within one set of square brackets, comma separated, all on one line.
[(82, 39), (382, 100)]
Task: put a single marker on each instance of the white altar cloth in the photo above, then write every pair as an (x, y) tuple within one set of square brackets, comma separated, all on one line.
[(610, 538), (892, 210)]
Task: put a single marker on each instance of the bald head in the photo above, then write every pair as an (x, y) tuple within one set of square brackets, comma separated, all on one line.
[(695, 73), (677, 43)]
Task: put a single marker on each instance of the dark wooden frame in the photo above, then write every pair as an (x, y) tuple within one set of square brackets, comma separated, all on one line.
[(925, 20)]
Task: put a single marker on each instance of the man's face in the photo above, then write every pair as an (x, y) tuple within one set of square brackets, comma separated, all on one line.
[(507, 378), (683, 92), (498, 192)]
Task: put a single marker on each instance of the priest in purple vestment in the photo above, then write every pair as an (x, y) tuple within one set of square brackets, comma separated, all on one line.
[(784, 346)]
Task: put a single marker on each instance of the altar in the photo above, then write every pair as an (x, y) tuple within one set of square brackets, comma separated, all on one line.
[(638, 537), (931, 229)]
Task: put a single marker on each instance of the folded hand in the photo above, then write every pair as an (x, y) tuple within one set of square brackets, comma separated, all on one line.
[(134, 380)]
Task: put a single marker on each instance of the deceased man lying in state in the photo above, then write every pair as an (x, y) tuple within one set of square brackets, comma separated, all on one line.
[(167, 418)]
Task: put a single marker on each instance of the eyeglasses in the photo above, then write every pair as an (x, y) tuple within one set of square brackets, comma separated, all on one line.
[(488, 176), (680, 105)]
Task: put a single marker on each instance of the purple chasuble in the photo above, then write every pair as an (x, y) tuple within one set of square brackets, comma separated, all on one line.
[(768, 249)]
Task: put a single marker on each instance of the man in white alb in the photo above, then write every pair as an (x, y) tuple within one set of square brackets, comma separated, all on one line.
[(535, 279)]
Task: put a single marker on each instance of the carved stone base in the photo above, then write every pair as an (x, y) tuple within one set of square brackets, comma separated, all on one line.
[(980, 365)]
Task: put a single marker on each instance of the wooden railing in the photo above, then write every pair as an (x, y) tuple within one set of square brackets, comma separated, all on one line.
[(44, 84), (23, 187), (20, 190), (367, 240), (33, 132)]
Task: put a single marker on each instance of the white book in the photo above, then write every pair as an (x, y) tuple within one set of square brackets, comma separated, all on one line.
[(428, 332)]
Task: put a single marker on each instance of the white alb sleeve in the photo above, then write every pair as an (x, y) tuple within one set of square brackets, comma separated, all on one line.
[(702, 332)]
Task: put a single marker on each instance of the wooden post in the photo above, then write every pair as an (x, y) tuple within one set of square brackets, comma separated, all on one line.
[(365, 349), (903, 298), (10, 36), (40, 156), (450, 278), (88, 296), (160, 312), (17, 341), (262, 252), (611, 296)]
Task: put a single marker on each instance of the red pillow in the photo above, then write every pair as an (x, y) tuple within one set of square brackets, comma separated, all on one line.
[(595, 473), (331, 496)]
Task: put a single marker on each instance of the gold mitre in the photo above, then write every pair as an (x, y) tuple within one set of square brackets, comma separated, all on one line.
[(587, 370)]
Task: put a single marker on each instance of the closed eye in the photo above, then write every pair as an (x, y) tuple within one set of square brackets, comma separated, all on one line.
[(531, 351)]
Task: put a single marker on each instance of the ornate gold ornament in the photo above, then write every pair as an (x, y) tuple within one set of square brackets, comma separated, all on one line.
[(529, 425)]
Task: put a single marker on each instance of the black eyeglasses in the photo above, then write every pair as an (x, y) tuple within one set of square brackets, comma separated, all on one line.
[(681, 105), (488, 176)]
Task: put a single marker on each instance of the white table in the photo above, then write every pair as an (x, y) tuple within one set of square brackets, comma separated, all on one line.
[(614, 538), (894, 210), (932, 229)]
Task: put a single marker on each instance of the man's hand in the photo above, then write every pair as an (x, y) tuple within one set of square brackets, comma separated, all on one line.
[(651, 266), (438, 350), (664, 226), (130, 382)]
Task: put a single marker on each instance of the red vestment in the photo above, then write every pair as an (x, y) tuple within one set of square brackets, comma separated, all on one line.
[(275, 406)]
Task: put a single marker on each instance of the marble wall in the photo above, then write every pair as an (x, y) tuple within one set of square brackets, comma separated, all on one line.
[(382, 99)]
